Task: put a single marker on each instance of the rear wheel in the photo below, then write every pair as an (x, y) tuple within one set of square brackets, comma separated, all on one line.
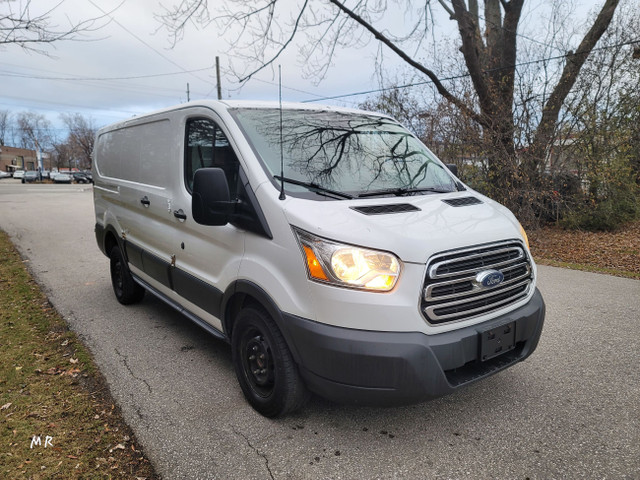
[(126, 289), (265, 368)]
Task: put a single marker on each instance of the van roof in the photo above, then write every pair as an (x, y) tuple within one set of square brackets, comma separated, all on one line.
[(231, 104), (234, 104)]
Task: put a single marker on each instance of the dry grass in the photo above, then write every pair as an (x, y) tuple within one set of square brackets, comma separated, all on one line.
[(615, 253), (51, 390)]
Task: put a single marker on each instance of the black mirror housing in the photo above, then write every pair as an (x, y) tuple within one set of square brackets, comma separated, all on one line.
[(453, 168), (210, 201)]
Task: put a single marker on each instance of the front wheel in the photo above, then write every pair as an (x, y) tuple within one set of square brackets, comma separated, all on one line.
[(126, 289), (265, 368)]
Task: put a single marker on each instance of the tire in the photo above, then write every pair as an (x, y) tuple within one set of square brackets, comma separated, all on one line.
[(265, 368), (126, 289)]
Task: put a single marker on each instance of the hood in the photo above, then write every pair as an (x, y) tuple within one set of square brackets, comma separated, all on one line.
[(414, 228)]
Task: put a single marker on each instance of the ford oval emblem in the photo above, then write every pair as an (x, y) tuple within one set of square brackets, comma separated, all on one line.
[(489, 278)]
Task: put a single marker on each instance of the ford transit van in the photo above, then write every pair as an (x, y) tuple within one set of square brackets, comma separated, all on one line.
[(331, 249)]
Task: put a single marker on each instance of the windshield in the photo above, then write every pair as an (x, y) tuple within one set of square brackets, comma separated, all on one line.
[(344, 152)]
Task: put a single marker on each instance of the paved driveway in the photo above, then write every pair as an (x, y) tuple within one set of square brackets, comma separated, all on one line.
[(572, 410)]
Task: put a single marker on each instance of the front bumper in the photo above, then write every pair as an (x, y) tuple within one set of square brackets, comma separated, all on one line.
[(395, 368)]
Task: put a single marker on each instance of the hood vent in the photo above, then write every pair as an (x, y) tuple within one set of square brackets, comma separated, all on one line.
[(386, 209), (463, 201)]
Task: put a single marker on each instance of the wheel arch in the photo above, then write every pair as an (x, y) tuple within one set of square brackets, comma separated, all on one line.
[(107, 238), (242, 293)]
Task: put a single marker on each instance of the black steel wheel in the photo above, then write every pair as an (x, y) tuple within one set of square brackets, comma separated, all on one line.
[(126, 289), (265, 368)]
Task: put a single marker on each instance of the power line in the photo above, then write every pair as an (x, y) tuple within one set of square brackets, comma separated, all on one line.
[(85, 107), (480, 17), (464, 75), (146, 44), (77, 78), (102, 82)]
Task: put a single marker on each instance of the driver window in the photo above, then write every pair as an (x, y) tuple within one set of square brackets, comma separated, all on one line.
[(207, 146)]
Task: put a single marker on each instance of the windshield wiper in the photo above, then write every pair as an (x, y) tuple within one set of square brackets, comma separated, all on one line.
[(399, 192), (313, 187)]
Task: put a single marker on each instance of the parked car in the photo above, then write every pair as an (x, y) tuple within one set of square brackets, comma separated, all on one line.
[(30, 177), (62, 178), (18, 174), (79, 177), (5, 174), (328, 246)]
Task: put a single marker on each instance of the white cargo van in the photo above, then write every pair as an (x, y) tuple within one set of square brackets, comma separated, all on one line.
[(329, 247)]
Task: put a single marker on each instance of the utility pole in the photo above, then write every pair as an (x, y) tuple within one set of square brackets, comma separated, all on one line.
[(188, 98), (218, 77)]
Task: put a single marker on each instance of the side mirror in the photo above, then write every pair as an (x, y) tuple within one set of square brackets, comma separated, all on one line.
[(210, 201), (453, 168)]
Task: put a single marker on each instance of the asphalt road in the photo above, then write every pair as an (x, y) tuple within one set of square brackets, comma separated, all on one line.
[(572, 410)]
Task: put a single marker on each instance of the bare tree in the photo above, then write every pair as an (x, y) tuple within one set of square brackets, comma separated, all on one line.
[(261, 31), (82, 132), (33, 31), (598, 142), (5, 123), (34, 131), (62, 155)]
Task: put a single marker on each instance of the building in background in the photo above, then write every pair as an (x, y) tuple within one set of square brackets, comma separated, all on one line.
[(12, 159)]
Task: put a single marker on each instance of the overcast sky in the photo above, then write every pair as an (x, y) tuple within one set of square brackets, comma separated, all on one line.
[(127, 67)]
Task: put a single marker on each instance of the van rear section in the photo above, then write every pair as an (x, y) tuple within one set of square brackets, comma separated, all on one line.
[(329, 247)]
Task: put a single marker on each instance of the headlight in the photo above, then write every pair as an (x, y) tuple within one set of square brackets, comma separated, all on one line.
[(348, 265)]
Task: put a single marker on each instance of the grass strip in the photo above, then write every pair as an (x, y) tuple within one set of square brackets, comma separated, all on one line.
[(57, 419), (584, 267)]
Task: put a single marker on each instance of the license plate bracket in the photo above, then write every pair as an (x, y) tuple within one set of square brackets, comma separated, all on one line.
[(496, 341)]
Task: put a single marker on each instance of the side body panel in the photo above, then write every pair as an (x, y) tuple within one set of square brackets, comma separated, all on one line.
[(140, 192)]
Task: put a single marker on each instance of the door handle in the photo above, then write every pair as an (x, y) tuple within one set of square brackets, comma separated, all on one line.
[(180, 215), (145, 201)]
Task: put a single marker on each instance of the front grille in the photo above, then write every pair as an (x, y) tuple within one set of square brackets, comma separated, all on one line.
[(453, 290)]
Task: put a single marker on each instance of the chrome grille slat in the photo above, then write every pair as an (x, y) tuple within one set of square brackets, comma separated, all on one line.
[(429, 297), (431, 310), (433, 271), (452, 293)]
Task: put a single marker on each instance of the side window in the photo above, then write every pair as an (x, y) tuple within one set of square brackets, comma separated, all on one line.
[(207, 146)]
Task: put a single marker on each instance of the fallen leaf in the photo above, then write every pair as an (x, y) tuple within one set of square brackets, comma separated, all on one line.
[(73, 360), (5, 406)]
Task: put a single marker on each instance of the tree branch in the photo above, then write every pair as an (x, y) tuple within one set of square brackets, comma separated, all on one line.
[(447, 8), (570, 72), (18, 27), (418, 66), (283, 46), (472, 49)]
